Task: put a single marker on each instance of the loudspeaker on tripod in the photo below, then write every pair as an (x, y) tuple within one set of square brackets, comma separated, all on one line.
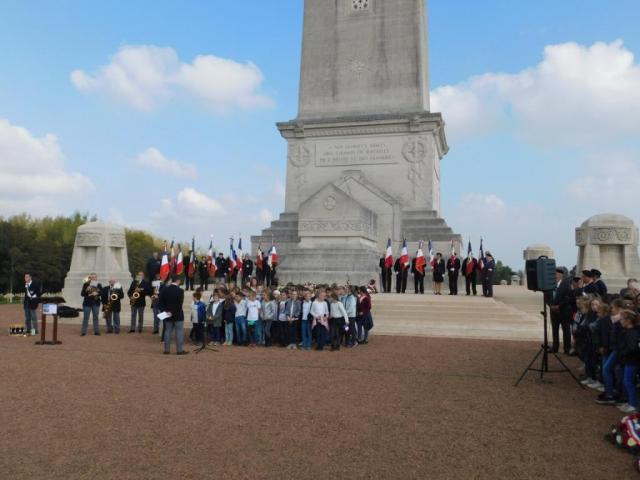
[(541, 274)]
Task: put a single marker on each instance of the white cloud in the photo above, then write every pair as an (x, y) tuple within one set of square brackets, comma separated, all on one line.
[(34, 167), (153, 158), (144, 75), (577, 94), (190, 200)]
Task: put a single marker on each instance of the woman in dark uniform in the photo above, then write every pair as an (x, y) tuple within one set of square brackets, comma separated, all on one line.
[(439, 268)]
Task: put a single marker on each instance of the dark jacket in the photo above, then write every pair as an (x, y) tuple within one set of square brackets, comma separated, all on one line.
[(90, 300), (615, 337), (145, 289), (629, 352), (247, 268), (561, 297), (601, 288), (171, 299), (105, 295), (35, 291), (221, 267), (153, 267), (453, 266), (215, 318), (489, 268), (229, 312), (474, 267), (602, 336)]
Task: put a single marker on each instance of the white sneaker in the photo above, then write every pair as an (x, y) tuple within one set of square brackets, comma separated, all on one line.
[(628, 409), (586, 381), (623, 406), (594, 384), (600, 389)]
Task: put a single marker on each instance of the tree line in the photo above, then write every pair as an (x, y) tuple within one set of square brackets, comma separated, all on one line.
[(44, 246)]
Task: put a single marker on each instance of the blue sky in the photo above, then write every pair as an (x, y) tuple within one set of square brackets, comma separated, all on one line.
[(541, 105)]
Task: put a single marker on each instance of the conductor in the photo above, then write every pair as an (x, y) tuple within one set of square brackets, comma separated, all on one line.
[(170, 302)]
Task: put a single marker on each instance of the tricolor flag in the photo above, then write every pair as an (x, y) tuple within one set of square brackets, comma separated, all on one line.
[(191, 269), (404, 255), (432, 257), (239, 260), (453, 248), (388, 256), (179, 262), (172, 258), (470, 265), (211, 260), (165, 267), (272, 261), (259, 258), (481, 256), (232, 258), (421, 262)]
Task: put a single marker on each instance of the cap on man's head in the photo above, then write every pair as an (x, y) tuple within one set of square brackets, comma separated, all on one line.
[(560, 270), (588, 273), (596, 272)]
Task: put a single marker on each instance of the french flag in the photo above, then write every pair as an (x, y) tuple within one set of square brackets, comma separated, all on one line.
[(232, 258), (211, 260), (172, 258), (404, 255), (470, 265), (259, 258), (421, 262), (239, 260), (165, 267), (432, 257), (191, 269), (453, 248), (179, 262), (388, 256), (481, 259), (272, 261)]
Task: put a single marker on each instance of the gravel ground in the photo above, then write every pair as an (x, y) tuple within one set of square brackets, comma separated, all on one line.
[(425, 408)]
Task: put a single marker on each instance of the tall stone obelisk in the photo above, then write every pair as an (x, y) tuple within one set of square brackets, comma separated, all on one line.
[(364, 152)]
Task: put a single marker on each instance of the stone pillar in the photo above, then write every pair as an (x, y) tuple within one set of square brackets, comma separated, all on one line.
[(100, 248), (609, 242)]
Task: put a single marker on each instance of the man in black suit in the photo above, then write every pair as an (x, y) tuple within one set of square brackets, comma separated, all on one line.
[(153, 266), (221, 268), (385, 273), (560, 303), (488, 272), (453, 270), (402, 272), (469, 272), (203, 272), (32, 294), (170, 301), (247, 269)]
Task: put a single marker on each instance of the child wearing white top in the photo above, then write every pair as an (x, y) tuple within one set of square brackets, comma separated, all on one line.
[(241, 319), (339, 320), (320, 323), (253, 318)]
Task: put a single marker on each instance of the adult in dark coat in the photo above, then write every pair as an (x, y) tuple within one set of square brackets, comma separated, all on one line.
[(385, 275), (190, 279), (589, 286), (418, 277), (247, 269), (203, 273), (221, 268), (488, 273), (112, 308), (153, 265), (470, 273), (402, 272), (601, 287), (143, 288), (453, 271), (90, 294), (439, 269), (32, 294), (561, 312), (170, 300)]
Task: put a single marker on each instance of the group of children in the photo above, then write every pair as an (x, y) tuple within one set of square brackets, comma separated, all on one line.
[(607, 339), (294, 317)]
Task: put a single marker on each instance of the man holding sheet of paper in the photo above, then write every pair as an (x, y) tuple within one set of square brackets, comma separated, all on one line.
[(170, 302)]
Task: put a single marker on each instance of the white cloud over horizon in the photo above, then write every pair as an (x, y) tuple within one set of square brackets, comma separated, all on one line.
[(577, 95), (143, 76), (33, 177), (156, 160)]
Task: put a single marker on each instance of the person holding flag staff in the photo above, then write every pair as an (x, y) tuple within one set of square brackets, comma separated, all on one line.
[(203, 273), (165, 265), (239, 258), (192, 267), (211, 264), (453, 270), (401, 267), (222, 266), (386, 265), (179, 268), (418, 265), (469, 271)]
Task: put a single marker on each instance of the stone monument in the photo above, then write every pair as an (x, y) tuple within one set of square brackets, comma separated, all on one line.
[(537, 250), (609, 242), (100, 248), (364, 151)]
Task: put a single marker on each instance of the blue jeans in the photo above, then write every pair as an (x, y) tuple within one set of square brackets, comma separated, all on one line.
[(170, 327), (215, 333), (228, 332), (306, 334), (156, 320), (260, 332), (241, 330), (87, 311), (253, 334), (30, 319), (139, 313), (113, 321), (608, 365), (630, 385)]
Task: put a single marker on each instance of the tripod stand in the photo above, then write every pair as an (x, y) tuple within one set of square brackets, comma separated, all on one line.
[(204, 345), (544, 351)]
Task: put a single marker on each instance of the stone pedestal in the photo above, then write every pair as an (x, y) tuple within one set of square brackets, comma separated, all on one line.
[(533, 252), (364, 152), (100, 248), (609, 242)]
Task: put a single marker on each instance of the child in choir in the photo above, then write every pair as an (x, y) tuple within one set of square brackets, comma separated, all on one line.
[(305, 320), (349, 301), (198, 317), (269, 309), (214, 317), (630, 358), (337, 322), (229, 318), (320, 323), (241, 318), (282, 323), (364, 320), (254, 310)]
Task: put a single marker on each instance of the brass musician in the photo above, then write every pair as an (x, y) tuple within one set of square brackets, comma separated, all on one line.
[(111, 305), (138, 291), (91, 293)]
